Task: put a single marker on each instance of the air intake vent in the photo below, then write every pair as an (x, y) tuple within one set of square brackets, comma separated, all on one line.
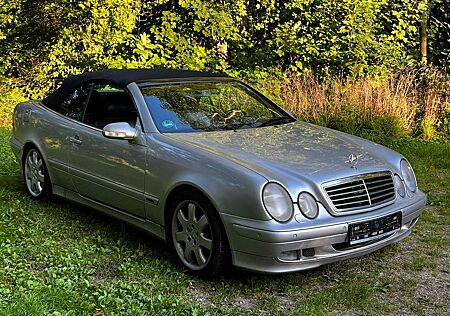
[(362, 192)]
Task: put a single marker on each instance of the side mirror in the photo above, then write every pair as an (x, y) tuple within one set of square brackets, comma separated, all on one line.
[(120, 130)]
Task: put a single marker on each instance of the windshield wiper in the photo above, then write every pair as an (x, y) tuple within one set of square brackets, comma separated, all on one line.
[(277, 121)]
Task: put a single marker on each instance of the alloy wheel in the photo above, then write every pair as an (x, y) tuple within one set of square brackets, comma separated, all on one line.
[(34, 173), (192, 235)]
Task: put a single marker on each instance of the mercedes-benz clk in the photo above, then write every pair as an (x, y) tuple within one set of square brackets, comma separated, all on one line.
[(214, 168)]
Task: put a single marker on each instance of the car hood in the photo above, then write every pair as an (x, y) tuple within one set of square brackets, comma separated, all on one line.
[(296, 149)]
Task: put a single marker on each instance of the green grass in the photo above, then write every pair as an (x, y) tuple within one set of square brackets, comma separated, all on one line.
[(57, 258)]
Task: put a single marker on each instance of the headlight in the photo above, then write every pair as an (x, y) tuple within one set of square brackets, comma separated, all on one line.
[(308, 205), (408, 175), (277, 202), (399, 186)]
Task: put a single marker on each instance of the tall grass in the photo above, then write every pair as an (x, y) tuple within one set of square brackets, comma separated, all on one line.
[(436, 106), (402, 104)]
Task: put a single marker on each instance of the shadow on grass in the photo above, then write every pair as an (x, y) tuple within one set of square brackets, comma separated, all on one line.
[(11, 183), (135, 239), (89, 218)]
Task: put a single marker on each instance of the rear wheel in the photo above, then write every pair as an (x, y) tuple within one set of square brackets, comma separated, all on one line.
[(35, 175), (196, 235)]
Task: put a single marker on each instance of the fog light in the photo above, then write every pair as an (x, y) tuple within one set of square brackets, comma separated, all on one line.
[(413, 222), (308, 252), (289, 255)]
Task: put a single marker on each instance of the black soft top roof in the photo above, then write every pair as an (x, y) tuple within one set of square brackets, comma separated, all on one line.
[(120, 78)]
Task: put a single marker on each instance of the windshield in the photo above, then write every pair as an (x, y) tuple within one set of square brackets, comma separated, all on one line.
[(209, 106)]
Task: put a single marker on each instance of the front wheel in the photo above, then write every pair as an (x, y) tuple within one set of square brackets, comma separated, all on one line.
[(37, 181), (196, 235)]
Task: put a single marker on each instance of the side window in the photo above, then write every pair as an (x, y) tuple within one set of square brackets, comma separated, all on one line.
[(73, 106), (109, 104)]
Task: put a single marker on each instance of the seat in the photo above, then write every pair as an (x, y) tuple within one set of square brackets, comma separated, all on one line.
[(109, 107), (120, 113)]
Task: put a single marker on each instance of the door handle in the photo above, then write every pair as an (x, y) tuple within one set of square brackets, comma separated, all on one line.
[(76, 140), (27, 115)]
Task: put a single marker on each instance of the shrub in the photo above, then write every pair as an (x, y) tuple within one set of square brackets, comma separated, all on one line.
[(10, 96)]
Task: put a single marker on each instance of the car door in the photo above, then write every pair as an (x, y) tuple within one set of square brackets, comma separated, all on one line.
[(54, 128), (104, 170)]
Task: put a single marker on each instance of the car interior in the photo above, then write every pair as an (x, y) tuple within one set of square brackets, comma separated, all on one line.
[(109, 106)]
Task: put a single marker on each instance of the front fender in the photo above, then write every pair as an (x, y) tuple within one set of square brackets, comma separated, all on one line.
[(232, 188)]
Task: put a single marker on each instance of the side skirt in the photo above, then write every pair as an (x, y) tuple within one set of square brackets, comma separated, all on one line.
[(145, 225)]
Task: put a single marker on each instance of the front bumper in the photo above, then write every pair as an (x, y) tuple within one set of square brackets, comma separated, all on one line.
[(257, 246)]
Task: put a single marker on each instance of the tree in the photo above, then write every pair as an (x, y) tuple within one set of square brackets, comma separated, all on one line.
[(424, 32)]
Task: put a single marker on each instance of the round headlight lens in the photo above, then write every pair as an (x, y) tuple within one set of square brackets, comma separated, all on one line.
[(277, 202), (408, 175), (308, 205), (399, 186)]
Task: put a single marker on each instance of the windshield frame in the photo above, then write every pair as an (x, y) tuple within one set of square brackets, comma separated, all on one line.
[(159, 82)]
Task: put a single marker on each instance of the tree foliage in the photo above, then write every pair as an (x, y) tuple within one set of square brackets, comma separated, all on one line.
[(439, 28), (43, 41)]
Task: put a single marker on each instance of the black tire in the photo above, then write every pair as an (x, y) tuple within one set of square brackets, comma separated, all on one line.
[(218, 256), (35, 172)]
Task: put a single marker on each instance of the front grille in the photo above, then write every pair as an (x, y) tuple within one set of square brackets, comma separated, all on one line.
[(361, 192)]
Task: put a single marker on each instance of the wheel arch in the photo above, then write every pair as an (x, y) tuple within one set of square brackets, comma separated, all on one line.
[(29, 145), (189, 187)]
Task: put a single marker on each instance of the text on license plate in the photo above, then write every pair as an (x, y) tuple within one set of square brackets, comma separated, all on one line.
[(374, 229)]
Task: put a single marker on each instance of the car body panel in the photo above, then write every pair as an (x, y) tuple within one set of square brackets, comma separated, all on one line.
[(49, 132), (297, 149), (110, 171), (171, 165)]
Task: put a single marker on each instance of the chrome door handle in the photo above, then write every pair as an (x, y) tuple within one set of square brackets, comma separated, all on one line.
[(75, 140)]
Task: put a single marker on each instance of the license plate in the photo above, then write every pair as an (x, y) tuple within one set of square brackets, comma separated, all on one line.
[(374, 229)]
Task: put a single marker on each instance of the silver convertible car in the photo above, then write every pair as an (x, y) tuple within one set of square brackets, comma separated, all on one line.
[(214, 168)]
